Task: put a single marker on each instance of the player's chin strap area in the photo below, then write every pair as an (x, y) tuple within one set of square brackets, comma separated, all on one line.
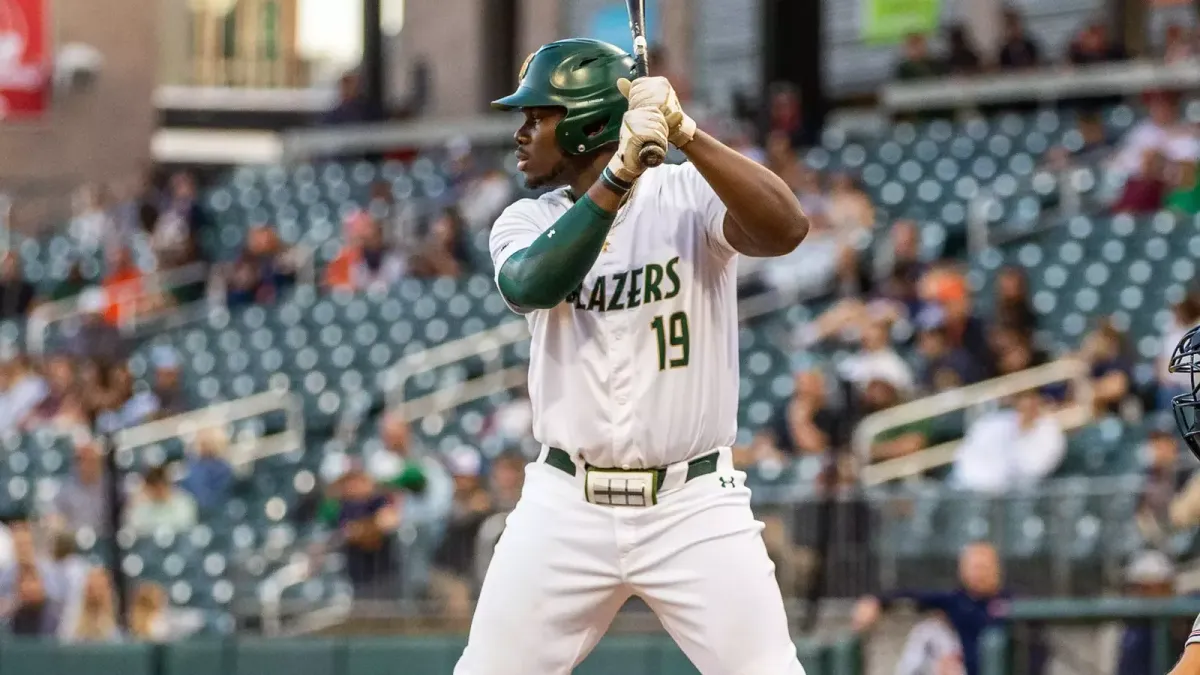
[(635, 487)]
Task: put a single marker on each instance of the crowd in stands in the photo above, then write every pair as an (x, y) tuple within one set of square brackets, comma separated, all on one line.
[(900, 317), (1019, 50)]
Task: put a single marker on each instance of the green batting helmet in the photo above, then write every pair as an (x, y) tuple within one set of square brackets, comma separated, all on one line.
[(579, 76)]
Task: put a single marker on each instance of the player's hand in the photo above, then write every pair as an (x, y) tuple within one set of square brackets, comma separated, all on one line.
[(657, 92), (639, 128), (866, 613)]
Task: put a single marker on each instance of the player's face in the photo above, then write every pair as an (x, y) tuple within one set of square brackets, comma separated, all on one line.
[(538, 156)]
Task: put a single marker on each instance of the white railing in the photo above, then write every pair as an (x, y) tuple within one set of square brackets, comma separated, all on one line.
[(270, 596), (242, 452), (1075, 414), (151, 286), (1045, 84)]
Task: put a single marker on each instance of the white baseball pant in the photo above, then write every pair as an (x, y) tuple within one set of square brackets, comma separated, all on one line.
[(564, 567)]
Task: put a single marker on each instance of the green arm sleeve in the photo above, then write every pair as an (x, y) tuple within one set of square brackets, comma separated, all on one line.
[(541, 276)]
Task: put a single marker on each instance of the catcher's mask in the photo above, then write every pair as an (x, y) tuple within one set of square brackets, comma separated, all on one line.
[(1186, 360)]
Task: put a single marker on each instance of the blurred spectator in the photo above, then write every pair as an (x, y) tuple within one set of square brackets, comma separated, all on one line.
[(1162, 131), (452, 579), (962, 58), (181, 219), (366, 260), (877, 360), (123, 286), (111, 400), (850, 211), (505, 480), (1017, 51), (92, 226), (444, 252), (96, 338), (931, 648), (978, 604), (71, 285), (943, 366), (73, 569), (351, 106), (152, 619), (166, 396), (785, 114), (21, 390), (1013, 308), (1146, 190), (1177, 45), (1149, 575), (900, 441), (808, 424), (160, 505), (1166, 492), (60, 378), (404, 466), (949, 307), (1185, 314), (16, 294), (31, 591), (97, 619), (207, 474), (130, 407), (916, 63), (83, 500), (264, 269), (1104, 350), (1094, 45), (1010, 449), (365, 521)]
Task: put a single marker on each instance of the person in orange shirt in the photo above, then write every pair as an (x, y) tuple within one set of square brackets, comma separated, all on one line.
[(123, 287), (339, 274)]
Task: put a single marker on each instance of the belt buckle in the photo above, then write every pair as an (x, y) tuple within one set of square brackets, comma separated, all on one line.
[(621, 488)]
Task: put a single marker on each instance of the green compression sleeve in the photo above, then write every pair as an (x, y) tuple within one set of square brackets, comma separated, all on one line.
[(543, 275)]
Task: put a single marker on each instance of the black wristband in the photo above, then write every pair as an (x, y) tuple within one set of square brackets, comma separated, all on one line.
[(618, 186)]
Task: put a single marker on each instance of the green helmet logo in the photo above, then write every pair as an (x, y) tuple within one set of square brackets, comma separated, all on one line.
[(579, 76)]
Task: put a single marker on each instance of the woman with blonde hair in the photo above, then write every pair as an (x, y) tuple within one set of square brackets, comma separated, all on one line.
[(97, 620), (147, 613)]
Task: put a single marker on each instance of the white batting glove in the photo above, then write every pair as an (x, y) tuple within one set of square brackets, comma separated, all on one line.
[(657, 92), (639, 128)]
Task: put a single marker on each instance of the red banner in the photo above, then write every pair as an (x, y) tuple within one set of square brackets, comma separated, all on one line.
[(24, 58)]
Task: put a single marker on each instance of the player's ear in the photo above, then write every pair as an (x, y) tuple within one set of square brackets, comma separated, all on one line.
[(624, 85)]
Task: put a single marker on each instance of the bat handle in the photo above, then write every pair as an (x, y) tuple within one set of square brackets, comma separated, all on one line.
[(652, 155)]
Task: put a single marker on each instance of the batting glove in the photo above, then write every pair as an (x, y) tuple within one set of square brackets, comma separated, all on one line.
[(657, 92), (639, 127)]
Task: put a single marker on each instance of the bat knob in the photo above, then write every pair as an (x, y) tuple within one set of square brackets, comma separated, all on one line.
[(652, 155)]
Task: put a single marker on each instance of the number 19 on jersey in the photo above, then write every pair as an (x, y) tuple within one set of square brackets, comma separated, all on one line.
[(674, 342)]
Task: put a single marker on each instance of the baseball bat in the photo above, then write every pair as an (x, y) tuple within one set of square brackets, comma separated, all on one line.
[(651, 155)]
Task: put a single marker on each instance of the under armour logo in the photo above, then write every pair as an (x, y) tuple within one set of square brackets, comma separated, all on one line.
[(728, 482), (605, 249)]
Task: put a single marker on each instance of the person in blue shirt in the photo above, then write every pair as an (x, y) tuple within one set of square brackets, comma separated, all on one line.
[(978, 604)]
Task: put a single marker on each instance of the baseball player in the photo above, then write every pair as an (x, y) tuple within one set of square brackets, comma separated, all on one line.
[(627, 277), (1186, 360)]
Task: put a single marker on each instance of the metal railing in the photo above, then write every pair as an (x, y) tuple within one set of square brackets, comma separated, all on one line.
[(1045, 84), (242, 452), (149, 288), (1075, 414)]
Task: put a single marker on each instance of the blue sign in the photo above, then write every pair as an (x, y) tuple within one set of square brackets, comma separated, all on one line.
[(611, 24)]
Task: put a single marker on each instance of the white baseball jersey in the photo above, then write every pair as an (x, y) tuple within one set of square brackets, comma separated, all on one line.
[(639, 367)]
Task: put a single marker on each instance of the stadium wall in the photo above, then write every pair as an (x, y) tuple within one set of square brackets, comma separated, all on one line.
[(102, 133)]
